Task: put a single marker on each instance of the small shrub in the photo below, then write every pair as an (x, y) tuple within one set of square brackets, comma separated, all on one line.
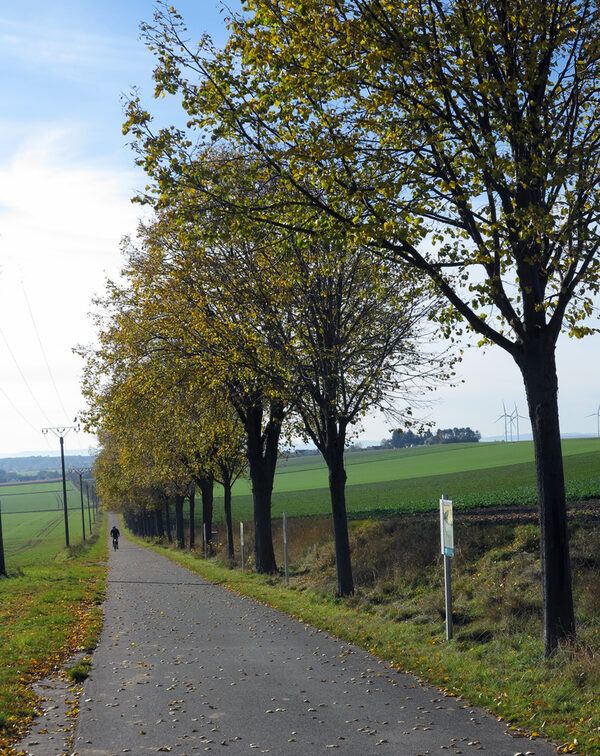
[(587, 585), (79, 671), (585, 548)]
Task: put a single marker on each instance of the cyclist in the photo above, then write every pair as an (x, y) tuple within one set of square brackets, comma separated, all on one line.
[(115, 533)]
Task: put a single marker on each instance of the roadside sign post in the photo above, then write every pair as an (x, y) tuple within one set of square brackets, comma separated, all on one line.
[(242, 542), (285, 550), (447, 542)]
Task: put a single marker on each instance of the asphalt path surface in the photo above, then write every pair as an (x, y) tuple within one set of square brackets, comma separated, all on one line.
[(184, 666)]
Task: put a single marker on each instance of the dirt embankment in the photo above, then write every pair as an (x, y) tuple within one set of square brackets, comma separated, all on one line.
[(581, 510), (30, 482)]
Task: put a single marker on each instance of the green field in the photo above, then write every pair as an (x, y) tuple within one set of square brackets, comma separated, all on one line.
[(33, 521), (382, 481)]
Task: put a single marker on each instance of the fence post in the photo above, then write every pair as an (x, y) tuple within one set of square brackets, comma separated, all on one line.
[(87, 493), (204, 539), (2, 562), (82, 509), (285, 550), (242, 542)]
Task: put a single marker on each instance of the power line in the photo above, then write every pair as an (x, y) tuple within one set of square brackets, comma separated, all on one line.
[(17, 410), (37, 333), (42, 350), (33, 396), (30, 493)]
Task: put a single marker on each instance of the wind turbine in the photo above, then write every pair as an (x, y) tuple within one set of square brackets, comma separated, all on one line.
[(506, 417), (597, 415), (515, 418)]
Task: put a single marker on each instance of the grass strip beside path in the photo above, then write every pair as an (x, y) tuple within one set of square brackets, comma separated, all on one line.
[(48, 612)]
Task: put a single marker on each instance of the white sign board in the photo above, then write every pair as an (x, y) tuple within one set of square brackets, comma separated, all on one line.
[(447, 527)]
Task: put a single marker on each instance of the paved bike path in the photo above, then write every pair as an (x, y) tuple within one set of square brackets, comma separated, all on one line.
[(184, 666)]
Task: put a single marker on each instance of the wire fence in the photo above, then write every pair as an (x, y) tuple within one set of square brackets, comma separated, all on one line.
[(36, 525)]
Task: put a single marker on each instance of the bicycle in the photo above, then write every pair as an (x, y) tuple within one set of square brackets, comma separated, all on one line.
[(115, 533)]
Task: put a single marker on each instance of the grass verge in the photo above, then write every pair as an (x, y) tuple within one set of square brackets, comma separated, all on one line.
[(48, 612), (495, 659)]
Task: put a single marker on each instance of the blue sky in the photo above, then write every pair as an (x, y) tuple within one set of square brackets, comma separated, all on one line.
[(66, 179)]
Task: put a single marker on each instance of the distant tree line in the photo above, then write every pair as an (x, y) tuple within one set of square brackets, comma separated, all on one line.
[(14, 477), (403, 439), (24, 469)]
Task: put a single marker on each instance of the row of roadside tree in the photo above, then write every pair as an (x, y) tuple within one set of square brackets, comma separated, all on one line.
[(225, 333), (345, 170)]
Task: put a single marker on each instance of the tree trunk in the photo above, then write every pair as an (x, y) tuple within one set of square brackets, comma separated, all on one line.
[(264, 553), (168, 520), (179, 499), (334, 457), (262, 460), (228, 522), (541, 386), (160, 528), (150, 524), (192, 500), (206, 484)]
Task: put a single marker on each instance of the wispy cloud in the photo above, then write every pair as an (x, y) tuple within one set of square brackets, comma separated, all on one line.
[(50, 198), (69, 53)]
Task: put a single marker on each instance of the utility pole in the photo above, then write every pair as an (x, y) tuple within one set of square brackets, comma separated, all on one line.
[(61, 432), (80, 471)]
